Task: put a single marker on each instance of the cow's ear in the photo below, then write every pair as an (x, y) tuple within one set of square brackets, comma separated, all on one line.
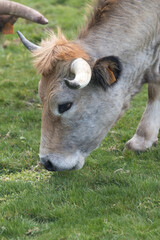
[(106, 71)]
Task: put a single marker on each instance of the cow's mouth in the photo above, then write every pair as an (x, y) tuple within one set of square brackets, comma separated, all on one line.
[(56, 162)]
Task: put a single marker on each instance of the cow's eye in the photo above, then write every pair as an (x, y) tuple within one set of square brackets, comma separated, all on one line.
[(64, 107)]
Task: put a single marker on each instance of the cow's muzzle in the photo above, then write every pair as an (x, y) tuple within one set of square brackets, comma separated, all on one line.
[(56, 162)]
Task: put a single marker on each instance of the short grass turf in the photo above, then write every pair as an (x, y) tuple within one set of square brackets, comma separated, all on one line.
[(117, 193)]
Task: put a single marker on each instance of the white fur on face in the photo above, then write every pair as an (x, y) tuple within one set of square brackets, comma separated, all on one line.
[(82, 128)]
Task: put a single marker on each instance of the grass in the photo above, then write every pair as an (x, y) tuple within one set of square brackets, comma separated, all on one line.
[(117, 193)]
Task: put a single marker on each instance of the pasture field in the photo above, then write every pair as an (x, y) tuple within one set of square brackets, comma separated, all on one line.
[(117, 193)]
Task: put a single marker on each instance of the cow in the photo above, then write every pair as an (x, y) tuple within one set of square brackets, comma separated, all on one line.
[(87, 83), (11, 11)]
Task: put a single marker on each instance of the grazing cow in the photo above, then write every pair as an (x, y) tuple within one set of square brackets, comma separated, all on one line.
[(87, 84), (10, 11)]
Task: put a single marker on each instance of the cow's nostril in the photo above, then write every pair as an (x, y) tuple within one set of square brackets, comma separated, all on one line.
[(48, 165)]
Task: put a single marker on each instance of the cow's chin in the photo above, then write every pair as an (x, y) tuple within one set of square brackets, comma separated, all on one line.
[(57, 162)]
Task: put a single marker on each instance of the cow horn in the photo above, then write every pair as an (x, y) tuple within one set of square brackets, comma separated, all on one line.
[(31, 46), (82, 72), (19, 10)]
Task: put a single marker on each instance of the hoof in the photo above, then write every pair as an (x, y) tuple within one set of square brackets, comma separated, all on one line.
[(140, 144)]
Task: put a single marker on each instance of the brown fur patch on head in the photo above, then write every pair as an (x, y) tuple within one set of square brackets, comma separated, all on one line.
[(55, 49), (98, 13)]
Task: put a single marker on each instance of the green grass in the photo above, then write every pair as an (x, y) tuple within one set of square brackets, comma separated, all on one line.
[(117, 193)]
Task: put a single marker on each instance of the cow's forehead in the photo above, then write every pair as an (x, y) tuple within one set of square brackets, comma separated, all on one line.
[(52, 85), (55, 49)]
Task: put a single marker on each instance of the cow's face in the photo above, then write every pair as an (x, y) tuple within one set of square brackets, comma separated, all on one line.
[(74, 121), (79, 102)]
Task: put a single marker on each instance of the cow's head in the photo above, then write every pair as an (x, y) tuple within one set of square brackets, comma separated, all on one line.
[(78, 105)]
